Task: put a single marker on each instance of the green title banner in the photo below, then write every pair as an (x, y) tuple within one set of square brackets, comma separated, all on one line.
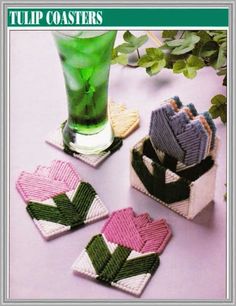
[(118, 17)]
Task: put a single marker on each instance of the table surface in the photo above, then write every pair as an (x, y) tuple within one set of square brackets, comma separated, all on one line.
[(193, 265)]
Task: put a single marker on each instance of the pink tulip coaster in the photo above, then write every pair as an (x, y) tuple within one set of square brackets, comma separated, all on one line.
[(126, 253), (58, 200)]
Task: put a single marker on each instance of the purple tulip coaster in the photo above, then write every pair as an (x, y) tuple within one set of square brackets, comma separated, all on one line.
[(58, 200), (124, 122), (126, 253), (181, 132), (176, 164)]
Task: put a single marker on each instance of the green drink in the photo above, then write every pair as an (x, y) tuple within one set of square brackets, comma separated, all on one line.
[(86, 58)]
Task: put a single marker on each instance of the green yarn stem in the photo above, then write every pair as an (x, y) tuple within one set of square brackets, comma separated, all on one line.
[(136, 266), (114, 267), (48, 213), (83, 199), (155, 183), (198, 170), (67, 212), (115, 263), (149, 151), (98, 252), (169, 162)]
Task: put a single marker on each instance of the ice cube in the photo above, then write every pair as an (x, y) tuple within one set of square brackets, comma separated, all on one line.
[(73, 77), (82, 60), (100, 74)]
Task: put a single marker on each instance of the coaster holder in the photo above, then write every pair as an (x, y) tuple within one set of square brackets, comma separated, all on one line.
[(179, 193)]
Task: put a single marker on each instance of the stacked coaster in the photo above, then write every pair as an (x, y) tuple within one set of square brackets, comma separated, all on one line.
[(181, 132), (175, 164), (58, 200), (124, 121), (126, 254)]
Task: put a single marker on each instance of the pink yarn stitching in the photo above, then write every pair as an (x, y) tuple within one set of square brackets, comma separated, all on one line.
[(156, 235), (47, 182), (63, 171), (142, 220), (121, 229), (137, 232), (42, 171)]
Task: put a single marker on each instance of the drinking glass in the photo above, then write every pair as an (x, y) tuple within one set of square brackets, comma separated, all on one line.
[(86, 57)]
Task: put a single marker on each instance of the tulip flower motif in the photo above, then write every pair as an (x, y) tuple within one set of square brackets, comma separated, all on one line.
[(181, 132), (126, 253), (57, 199)]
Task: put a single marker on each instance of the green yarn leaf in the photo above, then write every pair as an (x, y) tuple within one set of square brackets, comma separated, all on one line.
[(67, 212), (113, 266), (98, 252), (49, 213), (169, 162), (83, 199), (137, 266), (155, 183)]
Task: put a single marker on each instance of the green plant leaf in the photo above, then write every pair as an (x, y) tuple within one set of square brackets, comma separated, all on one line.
[(218, 59), (121, 59), (132, 43), (169, 33), (175, 42), (185, 44), (154, 60), (134, 40), (219, 100), (219, 111), (182, 49), (155, 68), (126, 48), (212, 33), (179, 66), (146, 61), (223, 115), (220, 37), (221, 59), (219, 107), (204, 37), (222, 71), (155, 53), (195, 62), (209, 48), (190, 72), (141, 41), (188, 54), (189, 66), (129, 37)]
